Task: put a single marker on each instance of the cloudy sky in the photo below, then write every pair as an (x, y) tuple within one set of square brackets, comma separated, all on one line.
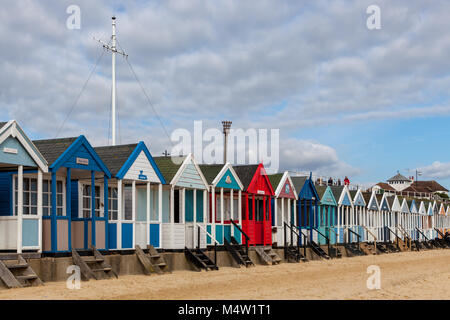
[(347, 100)]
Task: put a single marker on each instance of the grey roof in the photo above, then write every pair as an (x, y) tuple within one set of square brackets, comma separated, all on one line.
[(275, 180), (321, 191), (169, 166), (390, 200), (2, 124), (245, 173), (114, 157), (51, 149), (298, 183), (367, 196), (337, 191), (210, 171), (399, 177)]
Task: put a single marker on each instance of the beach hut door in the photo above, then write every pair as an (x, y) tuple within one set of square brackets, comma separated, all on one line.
[(141, 224)]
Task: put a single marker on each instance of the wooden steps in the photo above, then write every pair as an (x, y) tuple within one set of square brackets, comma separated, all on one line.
[(152, 261), (238, 253), (267, 255), (17, 273), (199, 259), (368, 248), (293, 254), (92, 264)]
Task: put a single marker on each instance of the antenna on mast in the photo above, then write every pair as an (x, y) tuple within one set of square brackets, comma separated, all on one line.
[(113, 50)]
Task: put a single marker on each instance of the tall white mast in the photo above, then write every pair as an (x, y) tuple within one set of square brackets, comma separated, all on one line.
[(113, 90), (113, 49)]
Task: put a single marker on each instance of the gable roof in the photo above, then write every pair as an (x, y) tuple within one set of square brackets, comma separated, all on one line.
[(385, 186), (210, 171), (275, 179), (398, 177), (214, 172), (13, 129), (246, 173), (115, 156), (300, 185), (168, 167), (52, 149), (120, 158), (337, 192), (426, 187), (299, 182), (57, 151)]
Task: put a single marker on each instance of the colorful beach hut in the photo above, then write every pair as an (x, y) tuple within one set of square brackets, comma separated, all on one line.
[(69, 223), (307, 206), (284, 207), (327, 215), (359, 213), (184, 201), (22, 170), (344, 212), (373, 214), (224, 202), (256, 207), (135, 194)]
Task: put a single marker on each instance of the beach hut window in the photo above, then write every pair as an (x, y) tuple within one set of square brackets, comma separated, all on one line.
[(87, 201), (235, 208), (112, 201), (154, 204), (218, 210), (30, 196), (250, 208), (128, 203)]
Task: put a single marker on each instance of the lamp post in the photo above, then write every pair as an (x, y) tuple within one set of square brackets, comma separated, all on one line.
[(226, 130)]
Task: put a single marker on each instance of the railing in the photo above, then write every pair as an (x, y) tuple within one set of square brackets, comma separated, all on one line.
[(351, 231), (199, 227), (395, 235), (374, 236), (405, 235), (300, 237), (247, 238), (440, 233), (422, 234), (326, 238)]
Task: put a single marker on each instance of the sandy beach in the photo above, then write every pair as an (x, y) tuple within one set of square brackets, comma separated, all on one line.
[(410, 275)]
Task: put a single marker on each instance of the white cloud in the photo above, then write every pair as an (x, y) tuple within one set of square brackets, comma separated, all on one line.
[(437, 170)]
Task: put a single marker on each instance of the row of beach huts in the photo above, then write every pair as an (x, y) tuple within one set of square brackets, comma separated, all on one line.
[(65, 197)]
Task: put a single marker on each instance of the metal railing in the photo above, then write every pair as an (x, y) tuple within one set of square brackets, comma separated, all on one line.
[(349, 230), (247, 238), (324, 236), (199, 227)]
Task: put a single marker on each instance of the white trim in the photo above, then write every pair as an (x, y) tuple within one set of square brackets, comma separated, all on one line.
[(359, 192), (10, 130), (281, 184), (223, 171), (183, 166)]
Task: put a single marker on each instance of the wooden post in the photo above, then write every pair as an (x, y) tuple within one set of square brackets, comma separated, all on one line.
[(194, 218), (183, 206), (68, 205), (19, 208), (54, 237), (147, 211), (119, 213), (133, 211), (106, 210), (221, 206), (213, 212), (240, 207), (172, 215), (231, 212), (93, 217), (39, 208)]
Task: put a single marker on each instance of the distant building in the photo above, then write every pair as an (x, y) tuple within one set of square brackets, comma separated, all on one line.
[(399, 182), (403, 186)]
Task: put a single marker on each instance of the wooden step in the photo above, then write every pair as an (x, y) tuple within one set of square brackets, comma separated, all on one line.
[(102, 269), (92, 259), (17, 266), (27, 277)]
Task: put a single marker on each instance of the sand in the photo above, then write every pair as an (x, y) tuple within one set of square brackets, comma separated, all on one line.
[(409, 275)]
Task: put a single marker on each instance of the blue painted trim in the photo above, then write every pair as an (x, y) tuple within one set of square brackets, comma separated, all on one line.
[(69, 205), (81, 140), (106, 204), (93, 208), (53, 226), (140, 147)]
